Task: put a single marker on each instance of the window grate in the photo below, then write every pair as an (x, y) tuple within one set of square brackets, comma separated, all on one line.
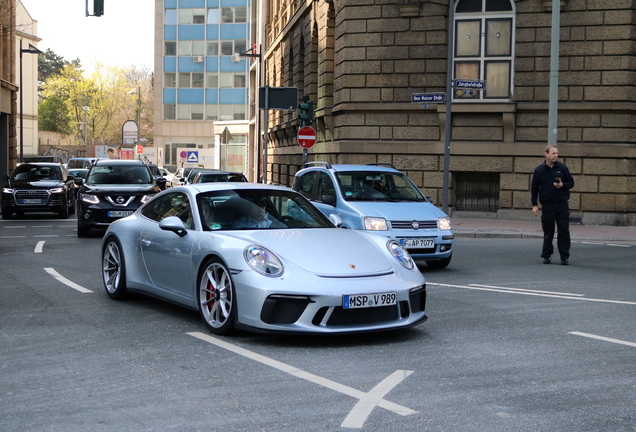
[(477, 191)]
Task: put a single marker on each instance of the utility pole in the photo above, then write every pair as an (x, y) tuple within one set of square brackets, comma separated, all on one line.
[(554, 73)]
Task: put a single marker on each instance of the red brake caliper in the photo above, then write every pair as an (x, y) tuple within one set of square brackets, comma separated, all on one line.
[(210, 295)]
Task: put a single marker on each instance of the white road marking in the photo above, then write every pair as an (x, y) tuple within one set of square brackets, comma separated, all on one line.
[(618, 245), (45, 236), (42, 226), (39, 246), (14, 226), (363, 408), (10, 237), (360, 417), (65, 281), (527, 290), (505, 290), (593, 243), (606, 339)]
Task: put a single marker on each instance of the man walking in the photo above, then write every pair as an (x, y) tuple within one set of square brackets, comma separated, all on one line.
[(551, 183)]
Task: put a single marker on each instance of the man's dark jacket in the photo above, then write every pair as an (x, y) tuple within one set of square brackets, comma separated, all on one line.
[(543, 183)]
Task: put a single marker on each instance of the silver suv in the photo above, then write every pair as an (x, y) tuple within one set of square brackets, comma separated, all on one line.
[(380, 198)]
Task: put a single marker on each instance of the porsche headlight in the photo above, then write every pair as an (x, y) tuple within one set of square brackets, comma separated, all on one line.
[(91, 199), (375, 224), (444, 223), (400, 254), (56, 190), (263, 261)]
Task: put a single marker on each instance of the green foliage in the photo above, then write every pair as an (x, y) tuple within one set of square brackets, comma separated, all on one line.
[(106, 94), (50, 64), (54, 116)]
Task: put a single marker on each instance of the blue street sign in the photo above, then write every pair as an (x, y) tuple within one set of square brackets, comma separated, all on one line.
[(428, 97), (470, 84), (193, 157)]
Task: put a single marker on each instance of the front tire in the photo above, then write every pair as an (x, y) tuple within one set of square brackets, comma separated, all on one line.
[(216, 297), (82, 231), (114, 270), (7, 214), (64, 212)]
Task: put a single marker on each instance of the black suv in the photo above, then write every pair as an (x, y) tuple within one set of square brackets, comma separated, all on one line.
[(38, 187), (114, 188)]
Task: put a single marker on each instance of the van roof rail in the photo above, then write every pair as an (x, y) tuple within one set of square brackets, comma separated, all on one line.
[(390, 165), (326, 164)]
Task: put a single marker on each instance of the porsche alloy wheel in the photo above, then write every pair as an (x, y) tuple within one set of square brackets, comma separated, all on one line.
[(113, 270), (217, 303)]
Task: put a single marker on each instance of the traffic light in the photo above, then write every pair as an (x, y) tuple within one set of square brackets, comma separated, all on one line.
[(98, 7), (306, 114)]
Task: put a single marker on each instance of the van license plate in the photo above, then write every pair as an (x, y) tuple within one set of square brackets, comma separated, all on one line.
[(418, 243)]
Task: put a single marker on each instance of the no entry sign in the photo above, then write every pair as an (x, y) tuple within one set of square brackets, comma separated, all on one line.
[(306, 137)]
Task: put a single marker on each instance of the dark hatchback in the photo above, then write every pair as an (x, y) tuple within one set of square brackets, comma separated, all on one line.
[(114, 188), (38, 187)]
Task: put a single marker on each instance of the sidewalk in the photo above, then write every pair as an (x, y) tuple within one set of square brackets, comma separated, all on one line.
[(484, 228)]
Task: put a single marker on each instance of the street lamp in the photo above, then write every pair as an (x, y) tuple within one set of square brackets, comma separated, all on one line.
[(261, 155), (31, 50), (137, 91)]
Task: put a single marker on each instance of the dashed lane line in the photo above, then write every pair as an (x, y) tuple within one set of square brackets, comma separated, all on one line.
[(538, 294), (603, 338), (39, 246), (367, 401), (65, 281)]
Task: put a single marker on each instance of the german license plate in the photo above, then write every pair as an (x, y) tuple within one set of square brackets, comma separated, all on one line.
[(119, 213), (418, 243), (368, 300), (31, 201)]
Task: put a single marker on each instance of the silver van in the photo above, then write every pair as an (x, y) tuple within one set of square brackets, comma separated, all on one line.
[(75, 163)]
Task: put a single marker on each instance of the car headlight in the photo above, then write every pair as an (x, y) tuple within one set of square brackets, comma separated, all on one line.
[(263, 261), (57, 190), (146, 198), (91, 199), (375, 224), (7, 190), (400, 254), (444, 223)]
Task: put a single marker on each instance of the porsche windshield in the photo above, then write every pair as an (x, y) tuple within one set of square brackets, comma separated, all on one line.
[(258, 209), (377, 186)]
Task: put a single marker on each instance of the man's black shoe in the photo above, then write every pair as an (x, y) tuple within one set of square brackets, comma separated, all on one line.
[(564, 261), (546, 260)]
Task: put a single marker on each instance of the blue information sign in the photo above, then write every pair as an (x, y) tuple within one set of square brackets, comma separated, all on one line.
[(428, 97), (470, 84)]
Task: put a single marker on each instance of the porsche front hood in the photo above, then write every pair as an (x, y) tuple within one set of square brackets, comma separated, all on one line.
[(343, 253)]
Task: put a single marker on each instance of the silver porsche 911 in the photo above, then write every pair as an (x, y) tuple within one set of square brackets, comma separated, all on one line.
[(261, 258)]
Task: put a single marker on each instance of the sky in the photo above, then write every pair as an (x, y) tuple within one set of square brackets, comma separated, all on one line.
[(123, 36)]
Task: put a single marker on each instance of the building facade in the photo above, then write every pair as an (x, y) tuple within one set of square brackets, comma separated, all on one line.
[(26, 36), (361, 61), (200, 80), (8, 87)]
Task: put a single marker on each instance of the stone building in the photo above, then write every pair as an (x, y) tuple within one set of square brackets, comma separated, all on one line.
[(361, 60), (8, 86)]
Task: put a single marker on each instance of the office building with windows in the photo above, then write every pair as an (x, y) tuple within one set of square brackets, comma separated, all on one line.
[(361, 62), (200, 81)]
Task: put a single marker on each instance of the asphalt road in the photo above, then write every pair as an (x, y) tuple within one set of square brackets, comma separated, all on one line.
[(510, 345)]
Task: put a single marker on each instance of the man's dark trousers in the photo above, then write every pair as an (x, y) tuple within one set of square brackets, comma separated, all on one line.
[(558, 213)]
